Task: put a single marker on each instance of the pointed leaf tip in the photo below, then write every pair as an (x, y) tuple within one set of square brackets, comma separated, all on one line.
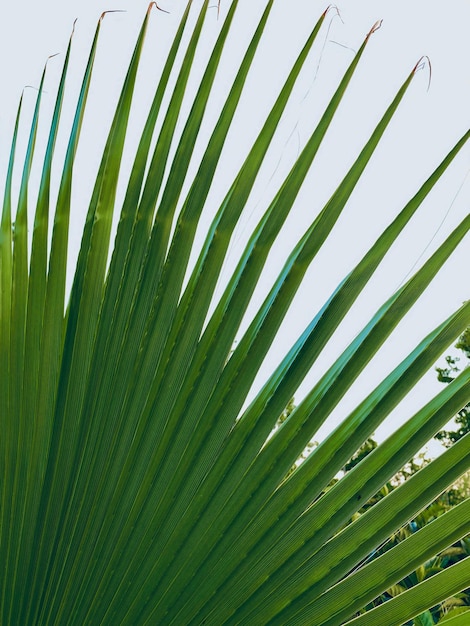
[(374, 28), (111, 11), (154, 4), (422, 62), (216, 6), (331, 7)]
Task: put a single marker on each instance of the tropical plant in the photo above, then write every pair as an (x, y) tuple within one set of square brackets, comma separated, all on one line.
[(459, 550), (141, 482)]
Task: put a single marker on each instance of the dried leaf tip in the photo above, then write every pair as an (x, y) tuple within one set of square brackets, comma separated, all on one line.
[(154, 4), (218, 9), (374, 28), (111, 11), (51, 56), (421, 64), (332, 7), (216, 6)]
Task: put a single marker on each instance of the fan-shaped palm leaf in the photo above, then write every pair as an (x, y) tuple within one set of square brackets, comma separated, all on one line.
[(139, 486)]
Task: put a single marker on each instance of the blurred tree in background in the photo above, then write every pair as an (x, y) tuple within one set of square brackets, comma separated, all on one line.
[(447, 375)]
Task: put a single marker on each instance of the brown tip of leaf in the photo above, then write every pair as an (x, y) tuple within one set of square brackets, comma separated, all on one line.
[(111, 11), (329, 8), (421, 64), (374, 28), (216, 6), (154, 4), (51, 56)]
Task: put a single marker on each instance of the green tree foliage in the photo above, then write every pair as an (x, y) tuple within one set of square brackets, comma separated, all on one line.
[(143, 479), (367, 447), (452, 606), (458, 492), (447, 375)]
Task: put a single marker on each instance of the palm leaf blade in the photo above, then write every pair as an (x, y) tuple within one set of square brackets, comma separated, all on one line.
[(414, 601)]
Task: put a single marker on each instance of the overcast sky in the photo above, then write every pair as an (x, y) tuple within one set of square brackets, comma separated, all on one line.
[(426, 126)]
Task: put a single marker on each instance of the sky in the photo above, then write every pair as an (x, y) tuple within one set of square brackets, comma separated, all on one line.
[(431, 119)]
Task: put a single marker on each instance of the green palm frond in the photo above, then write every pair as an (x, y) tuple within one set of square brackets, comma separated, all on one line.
[(143, 481)]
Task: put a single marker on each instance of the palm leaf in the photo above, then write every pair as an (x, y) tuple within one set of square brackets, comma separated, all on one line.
[(143, 480), (414, 600)]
